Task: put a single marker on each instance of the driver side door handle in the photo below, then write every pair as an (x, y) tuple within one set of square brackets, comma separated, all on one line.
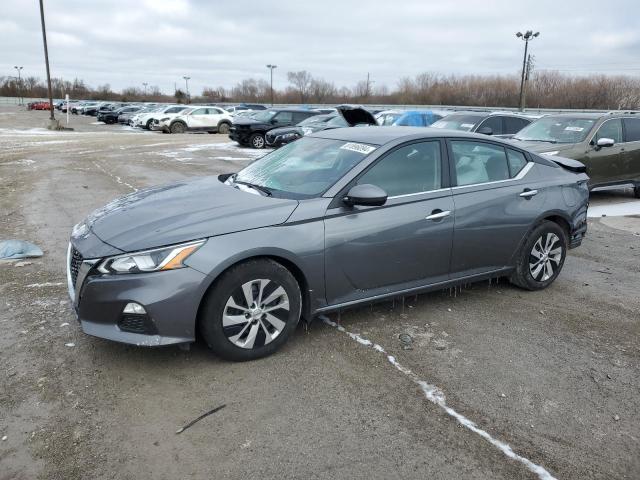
[(528, 193)]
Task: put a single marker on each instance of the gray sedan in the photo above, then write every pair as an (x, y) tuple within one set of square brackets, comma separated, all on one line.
[(335, 219)]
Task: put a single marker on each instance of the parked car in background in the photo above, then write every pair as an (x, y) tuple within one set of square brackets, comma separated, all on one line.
[(233, 109), (387, 117), (199, 119), (345, 116), (41, 105), (146, 119), (125, 116), (607, 143), (112, 116), (251, 131), (417, 118), (500, 124), (338, 218), (253, 106), (81, 107)]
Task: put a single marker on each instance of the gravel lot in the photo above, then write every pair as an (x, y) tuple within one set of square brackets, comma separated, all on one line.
[(553, 374)]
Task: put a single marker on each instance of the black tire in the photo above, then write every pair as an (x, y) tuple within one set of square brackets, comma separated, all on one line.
[(224, 128), (246, 326), (636, 190), (256, 141), (537, 256), (109, 121), (178, 127), (148, 124)]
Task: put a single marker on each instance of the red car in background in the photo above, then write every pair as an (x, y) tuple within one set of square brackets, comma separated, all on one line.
[(38, 106)]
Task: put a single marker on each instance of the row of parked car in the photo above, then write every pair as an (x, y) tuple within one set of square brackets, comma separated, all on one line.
[(607, 143)]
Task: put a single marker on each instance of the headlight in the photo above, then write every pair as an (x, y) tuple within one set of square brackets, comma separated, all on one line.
[(307, 130), (167, 258)]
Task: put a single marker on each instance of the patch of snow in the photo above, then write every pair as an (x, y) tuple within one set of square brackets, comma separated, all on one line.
[(615, 209)]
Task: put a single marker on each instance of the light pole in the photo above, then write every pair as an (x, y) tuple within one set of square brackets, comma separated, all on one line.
[(144, 84), (526, 36), (271, 67), (19, 83), (186, 81), (46, 60)]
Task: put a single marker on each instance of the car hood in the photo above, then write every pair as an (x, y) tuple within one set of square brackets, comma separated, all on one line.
[(182, 212), (542, 147), (356, 115), (274, 132)]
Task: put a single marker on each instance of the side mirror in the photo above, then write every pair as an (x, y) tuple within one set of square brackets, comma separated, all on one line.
[(485, 131), (605, 142), (365, 195)]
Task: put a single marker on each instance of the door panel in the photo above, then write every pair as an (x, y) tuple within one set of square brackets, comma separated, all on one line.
[(372, 251), (632, 150), (607, 164), (491, 216)]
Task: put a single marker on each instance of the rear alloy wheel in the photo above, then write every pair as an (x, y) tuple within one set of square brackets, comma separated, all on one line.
[(223, 128), (257, 140), (541, 257), (178, 127), (251, 311)]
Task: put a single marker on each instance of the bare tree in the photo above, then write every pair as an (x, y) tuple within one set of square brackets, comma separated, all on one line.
[(301, 82)]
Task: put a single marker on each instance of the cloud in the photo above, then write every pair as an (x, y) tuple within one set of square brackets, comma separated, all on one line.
[(219, 43)]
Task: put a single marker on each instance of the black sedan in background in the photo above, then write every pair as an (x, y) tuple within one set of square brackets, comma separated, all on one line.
[(345, 116), (250, 131), (111, 117)]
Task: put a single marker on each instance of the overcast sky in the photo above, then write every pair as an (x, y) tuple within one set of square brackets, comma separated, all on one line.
[(125, 43)]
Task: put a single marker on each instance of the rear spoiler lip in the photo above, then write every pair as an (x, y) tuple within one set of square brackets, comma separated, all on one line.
[(568, 164)]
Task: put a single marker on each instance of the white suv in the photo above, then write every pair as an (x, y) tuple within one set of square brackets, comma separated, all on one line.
[(146, 120), (203, 119)]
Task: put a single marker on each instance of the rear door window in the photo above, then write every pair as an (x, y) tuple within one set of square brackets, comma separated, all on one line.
[(479, 162), (299, 116), (631, 129), (517, 161), (610, 129), (284, 117)]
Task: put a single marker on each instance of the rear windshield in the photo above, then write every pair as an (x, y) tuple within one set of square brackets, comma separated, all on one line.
[(557, 130)]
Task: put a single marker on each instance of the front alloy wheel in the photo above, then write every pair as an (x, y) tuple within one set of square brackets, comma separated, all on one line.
[(251, 310), (256, 313), (257, 140)]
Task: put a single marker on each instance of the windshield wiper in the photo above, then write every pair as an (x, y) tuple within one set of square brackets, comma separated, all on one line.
[(259, 188), (536, 140)]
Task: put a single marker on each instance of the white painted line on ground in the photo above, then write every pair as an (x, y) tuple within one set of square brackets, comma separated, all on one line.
[(46, 284), (436, 396), (115, 177)]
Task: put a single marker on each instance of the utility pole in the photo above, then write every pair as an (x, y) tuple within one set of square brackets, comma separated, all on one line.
[(366, 94), (526, 37), (19, 84), (271, 67), (46, 59), (145, 88), (186, 81)]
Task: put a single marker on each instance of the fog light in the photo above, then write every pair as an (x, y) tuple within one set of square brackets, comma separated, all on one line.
[(134, 308)]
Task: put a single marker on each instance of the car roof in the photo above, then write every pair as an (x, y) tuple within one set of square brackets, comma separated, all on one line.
[(587, 116), (382, 135)]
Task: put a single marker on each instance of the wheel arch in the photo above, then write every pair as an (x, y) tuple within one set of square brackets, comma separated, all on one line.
[(284, 258), (556, 216)]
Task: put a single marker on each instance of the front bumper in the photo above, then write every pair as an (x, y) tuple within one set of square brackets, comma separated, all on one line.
[(240, 136), (171, 300)]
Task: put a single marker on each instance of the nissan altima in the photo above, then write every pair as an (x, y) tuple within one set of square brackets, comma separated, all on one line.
[(337, 218)]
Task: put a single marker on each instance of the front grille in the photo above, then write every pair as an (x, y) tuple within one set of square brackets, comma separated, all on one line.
[(137, 324), (74, 265)]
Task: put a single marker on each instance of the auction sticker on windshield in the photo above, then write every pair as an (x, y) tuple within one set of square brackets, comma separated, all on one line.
[(574, 129), (358, 147)]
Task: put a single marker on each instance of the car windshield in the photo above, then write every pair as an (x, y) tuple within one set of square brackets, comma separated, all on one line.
[(304, 168), (338, 121), (458, 122), (557, 130), (264, 115)]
